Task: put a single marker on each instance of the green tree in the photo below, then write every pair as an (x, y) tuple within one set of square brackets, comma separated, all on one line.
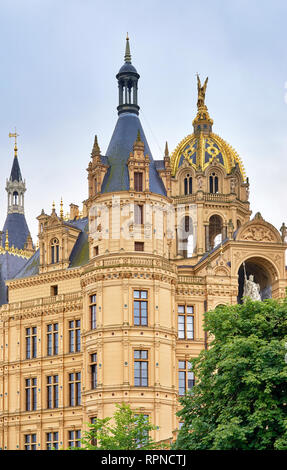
[(240, 397), (129, 431)]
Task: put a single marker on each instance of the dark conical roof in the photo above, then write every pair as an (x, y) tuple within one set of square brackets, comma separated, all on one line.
[(118, 152), (15, 171), (18, 230)]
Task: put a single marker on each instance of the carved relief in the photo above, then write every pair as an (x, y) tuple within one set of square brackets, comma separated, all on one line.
[(258, 234)]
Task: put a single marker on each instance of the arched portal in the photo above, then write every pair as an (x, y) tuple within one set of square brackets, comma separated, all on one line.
[(263, 274)]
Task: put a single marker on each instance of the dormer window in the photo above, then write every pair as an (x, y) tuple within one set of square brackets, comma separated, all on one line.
[(55, 251), (213, 183), (188, 184)]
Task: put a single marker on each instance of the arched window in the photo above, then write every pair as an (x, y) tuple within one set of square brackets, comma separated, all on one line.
[(215, 230), (185, 237), (15, 198), (213, 183), (55, 251), (188, 184), (238, 223)]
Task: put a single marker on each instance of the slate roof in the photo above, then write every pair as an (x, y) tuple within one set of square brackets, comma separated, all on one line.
[(10, 265), (79, 255), (118, 152), (15, 174), (18, 230)]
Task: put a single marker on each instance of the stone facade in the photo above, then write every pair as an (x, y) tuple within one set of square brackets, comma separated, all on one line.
[(110, 308)]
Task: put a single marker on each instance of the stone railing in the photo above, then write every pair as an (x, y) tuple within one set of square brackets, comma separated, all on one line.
[(191, 280), (24, 304)]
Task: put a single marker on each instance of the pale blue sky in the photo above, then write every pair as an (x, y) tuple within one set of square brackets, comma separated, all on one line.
[(59, 59)]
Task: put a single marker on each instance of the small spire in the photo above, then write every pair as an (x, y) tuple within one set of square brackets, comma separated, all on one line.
[(128, 57), (7, 241), (53, 208), (139, 136), (166, 151), (61, 209), (96, 149)]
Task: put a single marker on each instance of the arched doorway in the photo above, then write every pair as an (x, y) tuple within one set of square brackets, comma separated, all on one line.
[(263, 273)]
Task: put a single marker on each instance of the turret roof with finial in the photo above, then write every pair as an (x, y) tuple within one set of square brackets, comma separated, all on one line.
[(127, 68), (128, 133)]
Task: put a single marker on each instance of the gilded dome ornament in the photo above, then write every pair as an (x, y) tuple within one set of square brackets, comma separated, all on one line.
[(203, 147)]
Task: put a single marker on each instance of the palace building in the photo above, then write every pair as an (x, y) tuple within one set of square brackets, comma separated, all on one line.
[(108, 308)]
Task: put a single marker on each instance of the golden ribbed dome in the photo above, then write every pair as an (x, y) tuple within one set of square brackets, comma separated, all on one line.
[(203, 147)]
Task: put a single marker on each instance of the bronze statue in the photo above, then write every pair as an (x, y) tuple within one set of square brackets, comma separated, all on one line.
[(201, 91)]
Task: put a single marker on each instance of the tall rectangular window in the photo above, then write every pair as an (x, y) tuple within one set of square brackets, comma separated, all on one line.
[(75, 389), (74, 336), (31, 342), (31, 394), (94, 440), (138, 180), (140, 307), (141, 368), (185, 321), (138, 214), (94, 370), (30, 442), (52, 339), (52, 391), (74, 438), (93, 311), (52, 440), (185, 377)]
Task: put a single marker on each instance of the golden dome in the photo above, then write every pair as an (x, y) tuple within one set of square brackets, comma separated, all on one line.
[(203, 147)]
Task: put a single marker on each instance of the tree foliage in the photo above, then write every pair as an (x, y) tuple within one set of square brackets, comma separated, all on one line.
[(240, 397), (128, 431)]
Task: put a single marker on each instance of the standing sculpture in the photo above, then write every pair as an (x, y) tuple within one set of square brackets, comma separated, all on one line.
[(251, 288), (201, 92)]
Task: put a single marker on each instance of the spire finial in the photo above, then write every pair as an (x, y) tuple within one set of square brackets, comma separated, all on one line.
[(139, 136), (61, 209), (15, 135), (128, 57), (166, 151), (7, 241), (96, 149)]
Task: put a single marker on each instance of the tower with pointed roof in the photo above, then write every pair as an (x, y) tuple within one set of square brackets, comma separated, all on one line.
[(16, 242)]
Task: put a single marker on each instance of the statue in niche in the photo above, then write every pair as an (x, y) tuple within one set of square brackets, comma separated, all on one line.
[(251, 288)]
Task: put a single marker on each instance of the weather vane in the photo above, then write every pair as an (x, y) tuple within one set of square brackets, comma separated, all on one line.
[(15, 135)]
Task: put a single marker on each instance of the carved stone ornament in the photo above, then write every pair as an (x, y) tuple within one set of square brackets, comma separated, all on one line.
[(258, 234)]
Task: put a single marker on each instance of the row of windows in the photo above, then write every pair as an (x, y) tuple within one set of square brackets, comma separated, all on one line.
[(52, 387), (141, 379), (74, 332), (52, 440), (213, 184), (140, 314), (140, 318), (73, 438)]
